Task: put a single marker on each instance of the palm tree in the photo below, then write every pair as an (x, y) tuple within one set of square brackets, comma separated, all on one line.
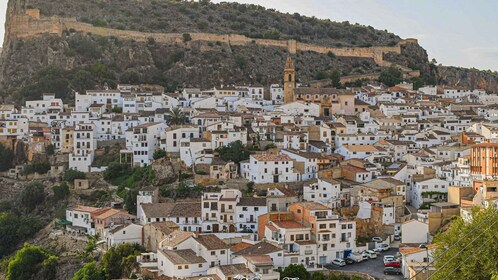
[(175, 117)]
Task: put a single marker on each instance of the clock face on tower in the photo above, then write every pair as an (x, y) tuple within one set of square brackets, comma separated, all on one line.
[(290, 85)]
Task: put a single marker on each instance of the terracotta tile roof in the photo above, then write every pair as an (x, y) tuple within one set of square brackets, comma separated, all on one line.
[(261, 248), (211, 242), (361, 148), (170, 209), (252, 201), (240, 246), (182, 256), (271, 157), (165, 227), (234, 269), (312, 205), (176, 237), (288, 224), (259, 259)]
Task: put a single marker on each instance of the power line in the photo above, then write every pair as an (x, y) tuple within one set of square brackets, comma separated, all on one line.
[(454, 244), (447, 262), (473, 254)]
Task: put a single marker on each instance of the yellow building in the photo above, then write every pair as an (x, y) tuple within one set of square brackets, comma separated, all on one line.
[(289, 81)]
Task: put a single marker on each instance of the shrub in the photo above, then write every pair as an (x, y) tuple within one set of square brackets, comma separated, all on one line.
[(115, 170), (32, 195), (6, 156), (61, 191), (187, 37), (50, 149), (159, 154), (70, 175), (36, 167), (32, 262)]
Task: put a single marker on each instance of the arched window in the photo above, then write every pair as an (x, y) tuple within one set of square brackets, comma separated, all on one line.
[(290, 77)]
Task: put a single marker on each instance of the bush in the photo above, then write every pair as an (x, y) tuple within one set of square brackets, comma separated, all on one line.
[(32, 262), (117, 260), (70, 175), (89, 272), (14, 229), (391, 76), (159, 154), (32, 196), (61, 191), (6, 156), (36, 167), (50, 149), (186, 37), (115, 170)]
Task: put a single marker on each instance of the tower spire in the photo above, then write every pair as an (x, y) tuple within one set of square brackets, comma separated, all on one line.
[(289, 80)]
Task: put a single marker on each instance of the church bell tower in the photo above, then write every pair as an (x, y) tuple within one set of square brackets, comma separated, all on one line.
[(289, 81)]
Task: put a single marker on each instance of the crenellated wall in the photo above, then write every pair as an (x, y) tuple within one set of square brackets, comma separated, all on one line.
[(31, 24)]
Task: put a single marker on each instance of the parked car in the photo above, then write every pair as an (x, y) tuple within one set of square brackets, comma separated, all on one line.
[(389, 258), (383, 247), (356, 257), (397, 237), (377, 239), (370, 254), (392, 271), (378, 250), (349, 261), (339, 262), (392, 264)]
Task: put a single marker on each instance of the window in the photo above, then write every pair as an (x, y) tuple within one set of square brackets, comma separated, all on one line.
[(222, 252), (179, 267), (186, 266), (213, 253)]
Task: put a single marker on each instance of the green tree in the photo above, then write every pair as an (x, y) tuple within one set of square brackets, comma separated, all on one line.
[(160, 153), (318, 276), (115, 170), (271, 34), (130, 201), (32, 262), (6, 157), (70, 175), (32, 195), (89, 272), (467, 250), (335, 76), (130, 76), (50, 149), (186, 37), (14, 229), (295, 270), (61, 191), (391, 76), (235, 151), (82, 81), (116, 258), (176, 117)]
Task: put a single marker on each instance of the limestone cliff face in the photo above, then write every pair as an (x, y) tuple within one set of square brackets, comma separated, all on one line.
[(58, 47), (469, 78)]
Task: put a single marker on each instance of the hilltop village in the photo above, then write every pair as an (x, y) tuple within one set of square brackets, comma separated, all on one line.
[(289, 174)]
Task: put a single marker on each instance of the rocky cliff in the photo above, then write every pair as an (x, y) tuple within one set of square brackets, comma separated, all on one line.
[(68, 46)]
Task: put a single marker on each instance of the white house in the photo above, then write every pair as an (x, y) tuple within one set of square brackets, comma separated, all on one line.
[(414, 232), (269, 168), (427, 191), (84, 145), (127, 233), (325, 191), (247, 211)]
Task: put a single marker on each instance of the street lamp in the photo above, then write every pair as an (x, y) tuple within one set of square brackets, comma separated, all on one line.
[(424, 246)]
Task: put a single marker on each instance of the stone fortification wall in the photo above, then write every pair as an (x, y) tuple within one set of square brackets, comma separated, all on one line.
[(31, 24)]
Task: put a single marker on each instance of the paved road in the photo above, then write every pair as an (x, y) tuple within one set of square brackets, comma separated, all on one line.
[(373, 267)]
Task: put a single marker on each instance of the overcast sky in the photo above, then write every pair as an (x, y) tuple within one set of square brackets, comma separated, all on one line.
[(455, 32)]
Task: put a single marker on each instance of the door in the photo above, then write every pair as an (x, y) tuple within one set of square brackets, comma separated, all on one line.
[(216, 228)]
